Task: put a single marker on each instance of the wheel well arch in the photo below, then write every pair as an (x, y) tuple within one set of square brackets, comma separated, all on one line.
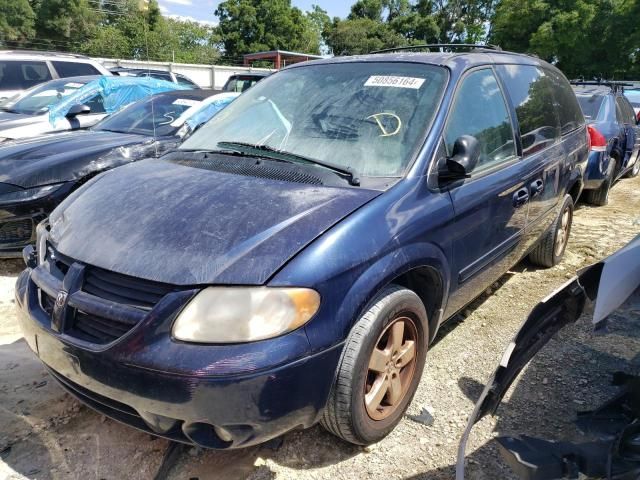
[(427, 283), (575, 189)]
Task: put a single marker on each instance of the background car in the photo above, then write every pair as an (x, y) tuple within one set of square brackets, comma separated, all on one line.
[(633, 95), (159, 74), (21, 70), (292, 261), (73, 103), (614, 126), (37, 174), (243, 81)]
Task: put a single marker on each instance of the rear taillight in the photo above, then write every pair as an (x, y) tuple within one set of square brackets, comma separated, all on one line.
[(638, 116), (597, 142)]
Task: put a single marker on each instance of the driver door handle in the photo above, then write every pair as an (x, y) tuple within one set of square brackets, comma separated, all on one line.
[(521, 197)]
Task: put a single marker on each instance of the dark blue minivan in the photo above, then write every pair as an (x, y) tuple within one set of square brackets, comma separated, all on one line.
[(292, 261)]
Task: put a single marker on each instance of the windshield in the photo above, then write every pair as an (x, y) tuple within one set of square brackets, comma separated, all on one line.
[(590, 105), (365, 117), (154, 115), (38, 100)]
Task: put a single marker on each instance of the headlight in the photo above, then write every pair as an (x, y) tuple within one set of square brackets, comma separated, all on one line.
[(244, 314), (28, 194)]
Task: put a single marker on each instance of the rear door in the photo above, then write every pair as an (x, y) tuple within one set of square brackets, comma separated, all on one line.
[(490, 206), (531, 91), (632, 137)]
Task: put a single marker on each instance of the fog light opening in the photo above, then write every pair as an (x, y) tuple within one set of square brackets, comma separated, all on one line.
[(208, 436)]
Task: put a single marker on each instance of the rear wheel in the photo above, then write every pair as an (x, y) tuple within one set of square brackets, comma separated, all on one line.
[(600, 197), (380, 368), (550, 250)]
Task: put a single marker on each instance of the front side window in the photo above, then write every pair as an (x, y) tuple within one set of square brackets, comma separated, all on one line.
[(531, 91), (20, 75), (38, 100), (74, 69), (366, 117), (480, 110)]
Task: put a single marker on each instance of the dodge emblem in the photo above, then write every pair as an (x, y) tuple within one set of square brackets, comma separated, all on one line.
[(58, 314), (61, 299)]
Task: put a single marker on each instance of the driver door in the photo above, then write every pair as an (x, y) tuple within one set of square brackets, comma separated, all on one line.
[(491, 206)]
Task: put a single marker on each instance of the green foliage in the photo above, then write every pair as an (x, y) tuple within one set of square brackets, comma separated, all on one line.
[(17, 22), (583, 37), (361, 35), (257, 25)]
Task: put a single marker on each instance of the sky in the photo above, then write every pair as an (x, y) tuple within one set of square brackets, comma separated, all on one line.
[(202, 10)]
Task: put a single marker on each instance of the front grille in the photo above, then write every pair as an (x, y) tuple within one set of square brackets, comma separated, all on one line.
[(15, 231), (123, 290)]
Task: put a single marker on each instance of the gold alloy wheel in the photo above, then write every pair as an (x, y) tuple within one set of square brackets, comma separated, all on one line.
[(391, 368), (562, 235)]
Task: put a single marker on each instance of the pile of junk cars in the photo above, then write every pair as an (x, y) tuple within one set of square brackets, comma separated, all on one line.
[(219, 270)]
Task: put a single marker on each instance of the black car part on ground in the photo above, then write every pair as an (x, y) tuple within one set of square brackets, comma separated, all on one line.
[(600, 289)]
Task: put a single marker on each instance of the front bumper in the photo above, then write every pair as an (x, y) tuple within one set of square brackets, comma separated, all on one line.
[(211, 396), (18, 221)]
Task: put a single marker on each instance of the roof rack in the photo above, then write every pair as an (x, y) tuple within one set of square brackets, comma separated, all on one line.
[(45, 53), (613, 84), (441, 47)]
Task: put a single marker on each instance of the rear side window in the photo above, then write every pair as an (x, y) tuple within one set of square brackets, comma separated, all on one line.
[(480, 110), (74, 69), (160, 76), (531, 91), (590, 105), (569, 111), (20, 75), (185, 81)]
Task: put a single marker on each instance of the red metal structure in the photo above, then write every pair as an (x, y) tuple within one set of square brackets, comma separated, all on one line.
[(280, 58)]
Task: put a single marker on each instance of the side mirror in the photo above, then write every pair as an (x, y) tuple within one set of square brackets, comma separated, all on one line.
[(464, 158), (78, 109)]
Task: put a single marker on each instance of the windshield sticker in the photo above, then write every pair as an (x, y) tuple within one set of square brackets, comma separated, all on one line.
[(396, 82), (185, 102)]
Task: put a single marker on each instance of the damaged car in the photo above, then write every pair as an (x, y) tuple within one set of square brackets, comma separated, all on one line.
[(73, 103), (291, 262), (37, 174), (613, 449)]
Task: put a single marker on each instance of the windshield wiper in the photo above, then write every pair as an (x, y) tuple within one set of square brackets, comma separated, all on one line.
[(284, 155)]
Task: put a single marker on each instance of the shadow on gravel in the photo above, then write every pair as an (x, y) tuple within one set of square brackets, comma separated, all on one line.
[(11, 267), (572, 373)]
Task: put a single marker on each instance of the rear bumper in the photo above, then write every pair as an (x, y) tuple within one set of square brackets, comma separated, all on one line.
[(195, 406), (597, 170)]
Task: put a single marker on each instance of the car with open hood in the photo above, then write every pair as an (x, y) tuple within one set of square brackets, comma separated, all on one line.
[(614, 135), (37, 174), (73, 103), (291, 261)]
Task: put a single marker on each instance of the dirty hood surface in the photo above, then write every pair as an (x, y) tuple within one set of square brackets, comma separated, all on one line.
[(60, 157), (181, 225)]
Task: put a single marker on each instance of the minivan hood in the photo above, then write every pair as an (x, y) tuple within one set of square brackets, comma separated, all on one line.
[(176, 224), (60, 157), (13, 120)]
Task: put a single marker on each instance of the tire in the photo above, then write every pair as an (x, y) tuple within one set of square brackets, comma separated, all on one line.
[(635, 170), (550, 250), (348, 414), (599, 197)]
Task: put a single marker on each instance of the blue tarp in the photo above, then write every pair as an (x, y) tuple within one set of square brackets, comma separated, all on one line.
[(117, 93), (210, 107)]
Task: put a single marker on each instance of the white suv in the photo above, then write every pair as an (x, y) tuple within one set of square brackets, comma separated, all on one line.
[(20, 70)]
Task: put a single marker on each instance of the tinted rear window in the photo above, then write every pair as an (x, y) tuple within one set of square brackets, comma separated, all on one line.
[(531, 91), (590, 105), (74, 69), (20, 75)]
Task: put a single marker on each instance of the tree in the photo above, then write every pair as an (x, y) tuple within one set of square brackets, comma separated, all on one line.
[(361, 35), (17, 22), (254, 25), (64, 24)]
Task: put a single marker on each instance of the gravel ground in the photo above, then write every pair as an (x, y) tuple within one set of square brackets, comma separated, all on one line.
[(44, 433)]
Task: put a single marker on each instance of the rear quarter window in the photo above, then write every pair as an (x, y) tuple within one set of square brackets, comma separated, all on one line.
[(74, 69), (569, 111), (531, 91), (20, 75)]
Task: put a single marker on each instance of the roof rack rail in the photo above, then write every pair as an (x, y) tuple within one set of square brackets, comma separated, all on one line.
[(45, 52), (615, 85), (441, 47)]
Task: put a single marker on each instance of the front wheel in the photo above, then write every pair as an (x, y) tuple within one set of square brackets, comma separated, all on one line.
[(550, 250), (380, 368)]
